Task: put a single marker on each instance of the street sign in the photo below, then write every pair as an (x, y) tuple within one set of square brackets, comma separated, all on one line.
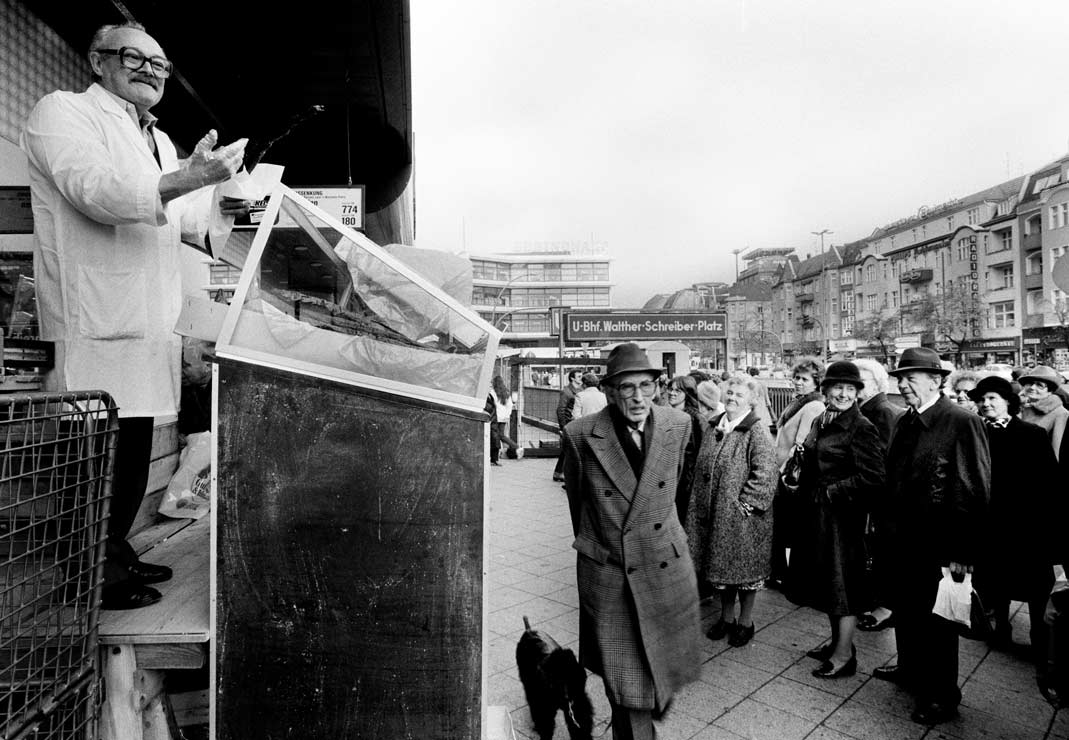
[(616, 326)]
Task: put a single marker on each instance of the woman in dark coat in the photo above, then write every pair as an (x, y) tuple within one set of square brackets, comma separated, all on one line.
[(1023, 529), (841, 477), (682, 395)]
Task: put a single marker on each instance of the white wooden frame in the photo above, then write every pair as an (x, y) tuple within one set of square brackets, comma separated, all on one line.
[(226, 348)]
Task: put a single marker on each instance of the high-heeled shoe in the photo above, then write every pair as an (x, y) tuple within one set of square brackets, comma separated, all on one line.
[(720, 630), (822, 653), (828, 670)]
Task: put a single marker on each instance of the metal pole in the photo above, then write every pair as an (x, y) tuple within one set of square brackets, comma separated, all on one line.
[(560, 347)]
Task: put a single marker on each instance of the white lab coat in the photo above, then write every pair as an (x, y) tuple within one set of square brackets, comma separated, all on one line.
[(106, 256)]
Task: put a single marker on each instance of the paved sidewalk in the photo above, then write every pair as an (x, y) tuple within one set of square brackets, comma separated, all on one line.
[(762, 690)]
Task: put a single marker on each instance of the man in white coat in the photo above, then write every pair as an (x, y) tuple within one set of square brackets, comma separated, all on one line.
[(111, 205)]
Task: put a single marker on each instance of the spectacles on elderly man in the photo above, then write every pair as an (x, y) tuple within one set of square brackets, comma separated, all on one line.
[(134, 59), (628, 390)]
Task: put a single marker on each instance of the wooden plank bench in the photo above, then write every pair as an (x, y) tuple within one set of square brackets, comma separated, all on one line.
[(138, 646)]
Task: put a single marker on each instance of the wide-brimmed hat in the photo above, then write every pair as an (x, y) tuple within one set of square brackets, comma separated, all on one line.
[(992, 384), (629, 358), (921, 359), (1043, 374), (999, 385), (842, 371)]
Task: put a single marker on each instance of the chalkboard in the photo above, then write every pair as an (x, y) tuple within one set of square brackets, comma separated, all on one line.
[(349, 562)]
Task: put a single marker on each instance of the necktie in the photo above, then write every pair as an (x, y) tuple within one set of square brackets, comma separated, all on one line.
[(636, 436)]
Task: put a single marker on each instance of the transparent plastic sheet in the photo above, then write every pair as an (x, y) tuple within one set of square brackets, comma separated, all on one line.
[(325, 299)]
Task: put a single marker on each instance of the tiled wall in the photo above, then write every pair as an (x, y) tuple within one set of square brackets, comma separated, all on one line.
[(33, 61)]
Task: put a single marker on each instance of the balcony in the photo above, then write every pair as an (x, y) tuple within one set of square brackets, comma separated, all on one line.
[(1032, 241), (1031, 282), (915, 276)]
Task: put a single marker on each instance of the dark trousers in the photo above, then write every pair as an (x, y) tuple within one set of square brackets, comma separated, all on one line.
[(632, 724), (558, 469), (927, 644), (133, 453), (1038, 633)]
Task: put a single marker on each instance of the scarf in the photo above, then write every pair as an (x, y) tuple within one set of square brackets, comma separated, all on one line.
[(997, 423), (796, 405)]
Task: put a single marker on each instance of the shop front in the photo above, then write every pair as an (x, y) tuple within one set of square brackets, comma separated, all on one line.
[(1047, 345), (997, 350)]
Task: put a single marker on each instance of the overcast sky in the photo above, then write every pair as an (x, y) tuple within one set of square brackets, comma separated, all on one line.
[(678, 130)]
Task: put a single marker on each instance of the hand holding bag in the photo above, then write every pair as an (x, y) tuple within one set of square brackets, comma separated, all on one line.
[(790, 476), (957, 602)]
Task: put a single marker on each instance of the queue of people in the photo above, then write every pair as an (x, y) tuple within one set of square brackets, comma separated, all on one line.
[(887, 500)]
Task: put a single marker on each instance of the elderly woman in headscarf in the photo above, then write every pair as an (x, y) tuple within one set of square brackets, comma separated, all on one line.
[(1023, 540), (792, 427), (1041, 406), (729, 523), (842, 472)]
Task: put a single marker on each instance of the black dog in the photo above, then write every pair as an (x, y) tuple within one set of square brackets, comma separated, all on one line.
[(553, 679)]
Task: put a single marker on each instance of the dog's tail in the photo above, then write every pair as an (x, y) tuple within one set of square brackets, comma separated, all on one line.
[(526, 624)]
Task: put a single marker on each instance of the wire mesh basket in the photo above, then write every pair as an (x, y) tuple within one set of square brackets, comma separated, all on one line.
[(56, 464)]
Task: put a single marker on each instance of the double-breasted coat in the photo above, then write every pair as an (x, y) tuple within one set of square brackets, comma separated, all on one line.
[(639, 623), (842, 476), (729, 547)]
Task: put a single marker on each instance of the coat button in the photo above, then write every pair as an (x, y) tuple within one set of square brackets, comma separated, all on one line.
[(627, 530), (632, 569), (661, 484), (608, 494), (657, 526), (664, 565)]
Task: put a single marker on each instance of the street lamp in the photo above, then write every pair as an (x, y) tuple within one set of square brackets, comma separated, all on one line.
[(497, 298), (821, 234)]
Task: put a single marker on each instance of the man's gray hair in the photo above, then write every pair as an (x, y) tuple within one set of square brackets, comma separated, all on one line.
[(101, 34), (878, 372)]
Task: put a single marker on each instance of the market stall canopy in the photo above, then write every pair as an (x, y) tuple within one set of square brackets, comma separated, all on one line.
[(256, 70)]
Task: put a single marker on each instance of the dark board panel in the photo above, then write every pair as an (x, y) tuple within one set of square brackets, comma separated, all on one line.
[(349, 562)]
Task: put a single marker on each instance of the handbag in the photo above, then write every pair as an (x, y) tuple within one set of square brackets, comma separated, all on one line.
[(790, 476)]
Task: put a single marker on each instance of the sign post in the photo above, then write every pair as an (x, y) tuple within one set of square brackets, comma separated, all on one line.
[(613, 325)]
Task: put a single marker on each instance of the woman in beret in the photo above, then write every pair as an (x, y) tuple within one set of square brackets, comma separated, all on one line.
[(841, 476), (1040, 404)]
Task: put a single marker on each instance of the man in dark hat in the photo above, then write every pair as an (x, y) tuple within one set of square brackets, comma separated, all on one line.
[(938, 482), (639, 623)]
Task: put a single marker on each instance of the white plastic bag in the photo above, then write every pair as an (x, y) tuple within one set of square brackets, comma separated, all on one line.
[(953, 601), (187, 494)]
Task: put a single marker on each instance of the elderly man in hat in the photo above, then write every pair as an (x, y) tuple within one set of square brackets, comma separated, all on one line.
[(639, 624), (938, 483)]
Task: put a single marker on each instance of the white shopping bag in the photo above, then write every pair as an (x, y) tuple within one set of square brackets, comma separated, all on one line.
[(953, 601)]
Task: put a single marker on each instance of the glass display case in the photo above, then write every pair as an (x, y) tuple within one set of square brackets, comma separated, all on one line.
[(318, 298)]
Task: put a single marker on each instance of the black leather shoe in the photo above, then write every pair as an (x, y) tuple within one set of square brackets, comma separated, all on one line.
[(741, 635), (933, 713), (828, 670), (720, 630), (823, 652), (149, 572), (891, 673), (128, 595), (869, 623)]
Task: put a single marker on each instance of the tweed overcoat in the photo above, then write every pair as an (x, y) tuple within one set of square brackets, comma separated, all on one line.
[(729, 547), (639, 624)]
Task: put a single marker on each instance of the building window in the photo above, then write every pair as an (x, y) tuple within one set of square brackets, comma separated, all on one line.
[(963, 249), (1055, 253), (1006, 239), (894, 299), (885, 271), (1059, 215), (846, 277), (1003, 277), (1057, 299), (848, 325), (1001, 316), (973, 216), (870, 302), (870, 273), (1033, 263), (1034, 301), (950, 223), (892, 241)]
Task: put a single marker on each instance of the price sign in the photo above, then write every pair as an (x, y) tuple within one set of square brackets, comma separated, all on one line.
[(343, 203)]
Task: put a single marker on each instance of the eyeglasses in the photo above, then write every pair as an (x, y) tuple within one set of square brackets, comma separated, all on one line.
[(134, 59), (628, 390)]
